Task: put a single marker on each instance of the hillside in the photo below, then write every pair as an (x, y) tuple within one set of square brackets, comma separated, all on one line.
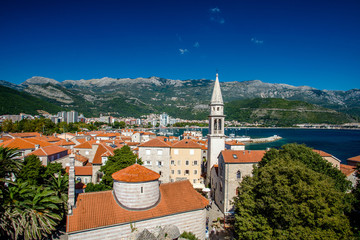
[(186, 99), (281, 112), (15, 102)]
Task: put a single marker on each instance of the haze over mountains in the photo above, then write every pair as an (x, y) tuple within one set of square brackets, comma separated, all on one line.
[(120, 96)]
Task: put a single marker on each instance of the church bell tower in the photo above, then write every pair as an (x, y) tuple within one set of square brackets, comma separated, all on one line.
[(216, 136)]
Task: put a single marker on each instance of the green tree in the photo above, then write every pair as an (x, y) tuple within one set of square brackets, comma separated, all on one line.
[(91, 187), (32, 171), (10, 165), (285, 199), (122, 158), (31, 212), (355, 213), (52, 169), (60, 185), (311, 159)]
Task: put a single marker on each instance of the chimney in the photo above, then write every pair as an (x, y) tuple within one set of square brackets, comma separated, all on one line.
[(37, 146), (71, 192)]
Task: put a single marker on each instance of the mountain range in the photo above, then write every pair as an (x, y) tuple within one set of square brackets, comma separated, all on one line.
[(180, 98)]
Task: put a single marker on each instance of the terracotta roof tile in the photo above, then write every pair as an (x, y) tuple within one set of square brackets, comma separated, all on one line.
[(242, 156), (102, 150), (100, 209), (25, 134), (86, 145), (81, 170), (186, 143), (135, 173), (81, 158), (155, 143), (24, 143), (347, 169), (322, 153), (235, 143), (48, 150), (63, 142), (132, 143), (355, 159)]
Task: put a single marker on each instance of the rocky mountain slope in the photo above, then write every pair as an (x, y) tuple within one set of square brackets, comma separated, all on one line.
[(180, 98)]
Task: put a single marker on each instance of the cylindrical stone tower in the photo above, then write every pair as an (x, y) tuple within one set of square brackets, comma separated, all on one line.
[(136, 187)]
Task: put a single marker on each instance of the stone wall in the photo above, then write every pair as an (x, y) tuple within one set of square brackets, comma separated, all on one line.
[(137, 195), (193, 221)]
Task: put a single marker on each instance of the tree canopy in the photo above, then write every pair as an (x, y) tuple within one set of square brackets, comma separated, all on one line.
[(311, 159), (286, 199), (122, 158)]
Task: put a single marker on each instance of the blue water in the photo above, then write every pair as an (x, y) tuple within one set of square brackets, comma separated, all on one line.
[(342, 144)]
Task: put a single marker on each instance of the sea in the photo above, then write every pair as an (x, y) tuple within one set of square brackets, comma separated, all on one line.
[(340, 143)]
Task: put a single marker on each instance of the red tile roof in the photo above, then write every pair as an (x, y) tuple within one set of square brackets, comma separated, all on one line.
[(81, 170), (135, 173), (48, 150), (155, 143), (186, 143), (347, 169), (86, 145), (355, 159), (102, 150), (81, 158), (242, 156), (100, 209), (24, 143), (132, 143), (322, 153), (63, 142), (25, 134), (234, 143)]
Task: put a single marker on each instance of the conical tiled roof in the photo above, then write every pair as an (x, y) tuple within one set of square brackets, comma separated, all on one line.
[(216, 95), (135, 173)]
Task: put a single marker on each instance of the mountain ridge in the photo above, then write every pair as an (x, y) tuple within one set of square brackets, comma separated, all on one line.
[(192, 95)]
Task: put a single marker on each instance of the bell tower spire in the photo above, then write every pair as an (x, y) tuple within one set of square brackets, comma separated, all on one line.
[(216, 136)]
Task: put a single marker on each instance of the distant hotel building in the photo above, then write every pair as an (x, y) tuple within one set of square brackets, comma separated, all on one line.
[(68, 117)]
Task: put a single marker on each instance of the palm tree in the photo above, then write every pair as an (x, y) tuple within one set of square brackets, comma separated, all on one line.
[(10, 164), (60, 186), (40, 217)]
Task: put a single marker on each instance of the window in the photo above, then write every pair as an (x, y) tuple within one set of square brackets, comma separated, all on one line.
[(172, 162), (160, 173), (235, 156), (159, 163), (147, 163), (172, 171), (85, 180), (218, 108), (147, 151), (195, 171), (195, 163), (141, 190), (187, 172), (187, 162), (176, 151), (192, 152), (159, 152), (179, 162), (238, 175), (171, 180), (179, 171), (194, 181)]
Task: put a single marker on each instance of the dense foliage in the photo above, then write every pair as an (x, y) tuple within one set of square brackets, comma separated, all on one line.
[(33, 197), (122, 158), (281, 112), (311, 159), (286, 199), (22, 102), (45, 126)]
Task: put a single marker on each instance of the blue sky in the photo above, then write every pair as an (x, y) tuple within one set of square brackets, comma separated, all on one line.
[(313, 43)]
